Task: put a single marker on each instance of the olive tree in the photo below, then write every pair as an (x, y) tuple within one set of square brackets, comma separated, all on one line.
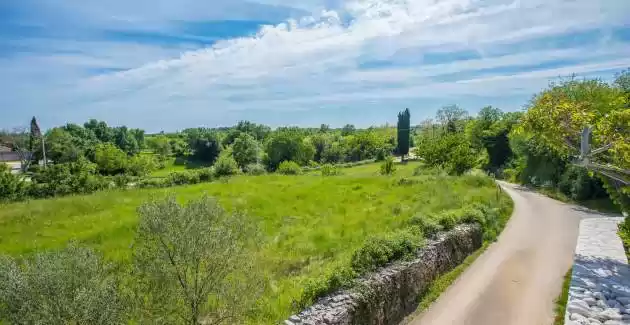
[(191, 263), (70, 286)]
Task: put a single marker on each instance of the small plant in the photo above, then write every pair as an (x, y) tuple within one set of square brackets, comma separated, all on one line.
[(255, 169), (289, 168), (330, 170), (388, 167)]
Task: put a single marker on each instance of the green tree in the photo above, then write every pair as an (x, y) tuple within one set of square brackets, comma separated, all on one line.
[(160, 144), (205, 144), (61, 146), (452, 117), (103, 132), (12, 187), (288, 145), (193, 263), (348, 129), (403, 132), (126, 140), (246, 150), (109, 159)]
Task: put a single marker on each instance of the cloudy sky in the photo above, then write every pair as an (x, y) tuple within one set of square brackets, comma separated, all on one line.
[(171, 64)]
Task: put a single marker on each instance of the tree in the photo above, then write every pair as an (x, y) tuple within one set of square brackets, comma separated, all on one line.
[(347, 129), (12, 187), (109, 159), (205, 144), (324, 128), (288, 145), (258, 131), (451, 118), (246, 150), (61, 147), (20, 141), (126, 140), (71, 286), (403, 131), (160, 145), (192, 263), (100, 129)]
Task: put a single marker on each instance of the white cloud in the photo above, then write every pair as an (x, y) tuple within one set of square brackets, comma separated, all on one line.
[(315, 61)]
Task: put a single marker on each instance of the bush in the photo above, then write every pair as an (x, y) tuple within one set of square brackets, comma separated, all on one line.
[(70, 178), (289, 168), (388, 167), (379, 251), (182, 178), (340, 277), (109, 159), (211, 245), (429, 227), (255, 169), (154, 183), (122, 181), (330, 170), (71, 286), (206, 174), (12, 187), (141, 165), (225, 166)]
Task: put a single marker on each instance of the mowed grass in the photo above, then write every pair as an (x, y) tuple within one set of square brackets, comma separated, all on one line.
[(310, 224)]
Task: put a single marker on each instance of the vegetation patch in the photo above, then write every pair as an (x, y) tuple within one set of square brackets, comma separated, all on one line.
[(563, 298), (316, 234)]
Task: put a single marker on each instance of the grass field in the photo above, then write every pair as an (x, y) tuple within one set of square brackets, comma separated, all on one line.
[(310, 224)]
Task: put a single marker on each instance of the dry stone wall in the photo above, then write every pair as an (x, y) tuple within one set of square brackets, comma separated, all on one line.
[(388, 295)]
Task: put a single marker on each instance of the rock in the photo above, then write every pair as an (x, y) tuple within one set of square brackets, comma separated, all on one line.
[(614, 322), (578, 309), (609, 314), (577, 317), (294, 319), (590, 301), (624, 300), (288, 322)]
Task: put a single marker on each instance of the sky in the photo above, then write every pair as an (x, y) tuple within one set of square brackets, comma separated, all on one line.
[(173, 64)]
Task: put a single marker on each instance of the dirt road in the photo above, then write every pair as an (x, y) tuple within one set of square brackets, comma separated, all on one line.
[(517, 279)]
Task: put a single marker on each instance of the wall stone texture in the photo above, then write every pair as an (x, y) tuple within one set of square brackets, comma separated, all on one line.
[(386, 296)]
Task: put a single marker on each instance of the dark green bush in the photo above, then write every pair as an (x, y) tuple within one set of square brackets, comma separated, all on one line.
[(154, 183), (289, 168)]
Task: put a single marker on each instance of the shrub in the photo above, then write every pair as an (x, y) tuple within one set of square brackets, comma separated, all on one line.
[(154, 183), (109, 159), (193, 263), (71, 286), (182, 178), (379, 251), (340, 277), (69, 178), (246, 150), (429, 227), (225, 166), (330, 170), (289, 168), (255, 169), (206, 174), (122, 181), (388, 167), (141, 165), (12, 187)]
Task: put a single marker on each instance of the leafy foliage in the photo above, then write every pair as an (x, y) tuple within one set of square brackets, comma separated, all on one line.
[(403, 131), (109, 159), (225, 166), (12, 187), (245, 150), (71, 286), (192, 265), (388, 167), (289, 168)]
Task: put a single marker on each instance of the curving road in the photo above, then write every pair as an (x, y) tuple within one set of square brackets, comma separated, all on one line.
[(517, 279)]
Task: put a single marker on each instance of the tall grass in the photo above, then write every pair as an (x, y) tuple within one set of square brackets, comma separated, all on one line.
[(311, 225)]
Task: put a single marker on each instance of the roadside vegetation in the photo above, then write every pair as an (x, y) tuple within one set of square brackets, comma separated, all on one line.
[(296, 229)]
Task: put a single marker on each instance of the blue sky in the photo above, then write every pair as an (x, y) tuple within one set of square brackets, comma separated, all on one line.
[(172, 64)]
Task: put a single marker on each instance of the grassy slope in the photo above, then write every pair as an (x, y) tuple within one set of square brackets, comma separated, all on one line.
[(311, 223), (561, 301)]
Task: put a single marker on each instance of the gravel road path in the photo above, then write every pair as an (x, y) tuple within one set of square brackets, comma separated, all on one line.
[(516, 281)]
